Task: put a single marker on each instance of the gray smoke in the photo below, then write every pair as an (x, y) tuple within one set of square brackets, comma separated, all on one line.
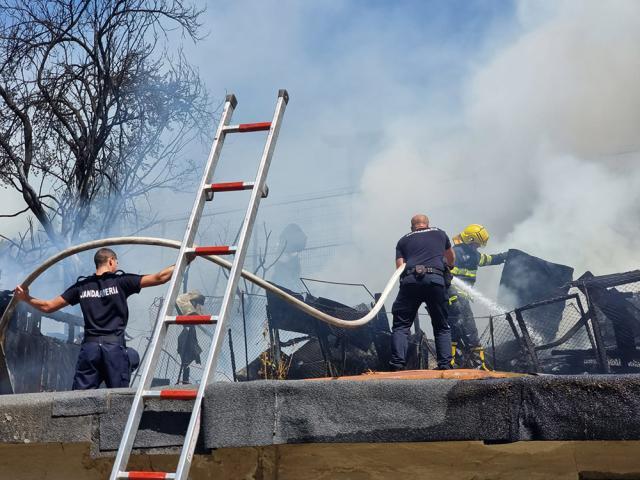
[(544, 152), (538, 140)]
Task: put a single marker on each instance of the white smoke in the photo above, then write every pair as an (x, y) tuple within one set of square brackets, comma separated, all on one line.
[(545, 152)]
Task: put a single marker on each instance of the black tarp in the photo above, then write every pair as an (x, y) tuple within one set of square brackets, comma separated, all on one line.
[(527, 279)]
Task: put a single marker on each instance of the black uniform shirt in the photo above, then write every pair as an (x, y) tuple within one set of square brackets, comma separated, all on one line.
[(424, 247), (103, 301)]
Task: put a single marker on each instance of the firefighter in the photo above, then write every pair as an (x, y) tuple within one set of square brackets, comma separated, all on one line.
[(104, 355), (467, 260), (424, 250)]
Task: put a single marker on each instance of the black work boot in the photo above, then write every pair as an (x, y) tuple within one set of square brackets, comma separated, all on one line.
[(394, 367)]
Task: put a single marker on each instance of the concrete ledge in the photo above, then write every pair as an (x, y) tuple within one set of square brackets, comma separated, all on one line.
[(494, 411), (263, 413)]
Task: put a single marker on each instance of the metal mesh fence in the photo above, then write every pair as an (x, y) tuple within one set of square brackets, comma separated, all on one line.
[(501, 341), (595, 328), (266, 338), (185, 348), (615, 301), (542, 337)]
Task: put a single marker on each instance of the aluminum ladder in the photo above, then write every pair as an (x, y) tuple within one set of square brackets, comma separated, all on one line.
[(205, 192)]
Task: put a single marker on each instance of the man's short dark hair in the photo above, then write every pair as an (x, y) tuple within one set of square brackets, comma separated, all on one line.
[(102, 256)]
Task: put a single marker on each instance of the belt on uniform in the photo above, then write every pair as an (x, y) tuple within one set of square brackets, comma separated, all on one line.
[(425, 270), (104, 339)]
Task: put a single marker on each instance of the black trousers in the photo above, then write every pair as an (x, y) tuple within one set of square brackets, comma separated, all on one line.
[(98, 362), (404, 310), (463, 325)]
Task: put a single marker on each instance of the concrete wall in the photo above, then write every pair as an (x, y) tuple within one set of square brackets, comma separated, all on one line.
[(437, 460)]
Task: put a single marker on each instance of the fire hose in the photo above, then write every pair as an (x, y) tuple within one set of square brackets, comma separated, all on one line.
[(162, 242)]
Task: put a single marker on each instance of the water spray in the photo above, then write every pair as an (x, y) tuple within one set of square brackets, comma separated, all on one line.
[(494, 307)]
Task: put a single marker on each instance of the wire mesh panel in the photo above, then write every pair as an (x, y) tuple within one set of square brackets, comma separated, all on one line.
[(186, 347), (593, 329), (553, 336), (569, 346), (614, 301), (276, 342), (502, 341)]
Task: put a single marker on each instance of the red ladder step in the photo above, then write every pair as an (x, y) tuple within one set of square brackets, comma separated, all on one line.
[(247, 127), (147, 475), (176, 394), (192, 319), (231, 186), (216, 250)]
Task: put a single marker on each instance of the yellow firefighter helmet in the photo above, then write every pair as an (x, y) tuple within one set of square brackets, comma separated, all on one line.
[(475, 233)]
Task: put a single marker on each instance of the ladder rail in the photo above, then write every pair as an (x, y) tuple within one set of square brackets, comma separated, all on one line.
[(159, 334), (191, 437)]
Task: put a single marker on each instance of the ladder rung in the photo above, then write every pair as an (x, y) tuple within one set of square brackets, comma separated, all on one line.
[(192, 319), (247, 127), (177, 394), (217, 250), (147, 475), (231, 186)]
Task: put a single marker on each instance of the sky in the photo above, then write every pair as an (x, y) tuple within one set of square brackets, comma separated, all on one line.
[(523, 116), (520, 116)]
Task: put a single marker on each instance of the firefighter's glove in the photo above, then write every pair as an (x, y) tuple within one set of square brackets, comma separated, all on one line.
[(499, 258)]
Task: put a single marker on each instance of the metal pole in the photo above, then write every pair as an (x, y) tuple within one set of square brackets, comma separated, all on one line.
[(592, 340), (233, 357), (244, 326), (597, 333), (146, 348), (493, 341), (528, 342)]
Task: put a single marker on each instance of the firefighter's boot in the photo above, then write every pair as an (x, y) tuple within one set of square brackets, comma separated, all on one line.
[(479, 352), (454, 351)]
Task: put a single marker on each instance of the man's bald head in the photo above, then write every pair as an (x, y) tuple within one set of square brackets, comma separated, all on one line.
[(419, 221)]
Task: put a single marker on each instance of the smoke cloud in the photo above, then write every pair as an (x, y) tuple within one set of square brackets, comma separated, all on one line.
[(528, 126), (544, 153)]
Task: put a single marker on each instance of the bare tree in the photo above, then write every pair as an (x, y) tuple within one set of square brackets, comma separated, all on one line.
[(96, 105)]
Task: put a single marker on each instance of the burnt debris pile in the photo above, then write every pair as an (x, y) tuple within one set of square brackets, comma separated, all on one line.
[(32, 359), (590, 325), (334, 351)]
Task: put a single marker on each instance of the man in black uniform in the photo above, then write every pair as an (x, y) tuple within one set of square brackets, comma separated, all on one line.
[(424, 251), (103, 301)]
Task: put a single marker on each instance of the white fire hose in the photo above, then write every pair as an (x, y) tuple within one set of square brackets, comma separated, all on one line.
[(162, 242)]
